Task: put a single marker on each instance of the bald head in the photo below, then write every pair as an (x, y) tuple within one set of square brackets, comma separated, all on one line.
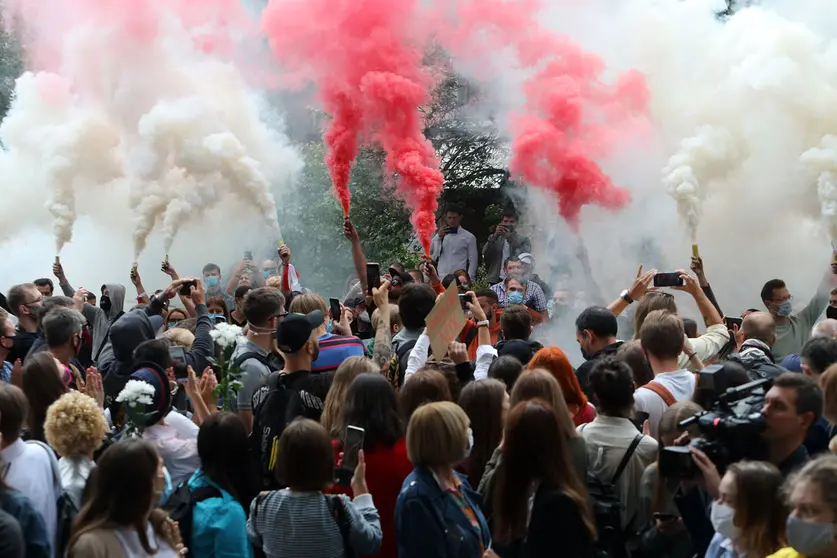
[(825, 328), (759, 325)]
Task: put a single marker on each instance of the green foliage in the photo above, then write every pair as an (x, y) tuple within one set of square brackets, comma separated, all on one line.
[(11, 66)]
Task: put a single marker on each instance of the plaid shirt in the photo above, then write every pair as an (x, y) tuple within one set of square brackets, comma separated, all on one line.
[(533, 296)]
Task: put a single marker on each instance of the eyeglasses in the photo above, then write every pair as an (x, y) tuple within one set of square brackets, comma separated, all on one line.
[(36, 301)]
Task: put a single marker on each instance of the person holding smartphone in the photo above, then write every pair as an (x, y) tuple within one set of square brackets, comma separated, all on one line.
[(453, 247), (503, 243)]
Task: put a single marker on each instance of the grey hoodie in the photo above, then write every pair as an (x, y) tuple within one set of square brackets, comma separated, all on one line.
[(757, 359), (99, 320)]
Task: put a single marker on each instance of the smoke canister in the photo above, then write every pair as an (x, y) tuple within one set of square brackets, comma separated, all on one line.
[(695, 253)]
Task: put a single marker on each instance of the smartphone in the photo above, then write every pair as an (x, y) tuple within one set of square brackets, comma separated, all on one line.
[(672, 279), (351, 446), (248, 255), (464, 300), (186, 288), (334, 304), (178, 354), (639, 419), (373, 276), (730, 322)]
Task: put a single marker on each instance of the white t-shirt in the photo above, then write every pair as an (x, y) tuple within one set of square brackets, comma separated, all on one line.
[(681, 385), (177, 443), (28, 469)]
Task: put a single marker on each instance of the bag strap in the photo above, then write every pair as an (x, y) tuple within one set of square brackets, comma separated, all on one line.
[(627, 457), (53, 461), (205, 493), (662, 391)]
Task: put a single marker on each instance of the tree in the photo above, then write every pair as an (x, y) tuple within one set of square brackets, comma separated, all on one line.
[(11, 66)]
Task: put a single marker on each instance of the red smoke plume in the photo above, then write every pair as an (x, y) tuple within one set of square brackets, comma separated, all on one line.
[(365, 56), (570, 117)]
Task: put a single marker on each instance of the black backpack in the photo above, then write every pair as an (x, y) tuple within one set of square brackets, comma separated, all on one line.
[(607, 508), (397, 367), (181, 507), (275, 406)]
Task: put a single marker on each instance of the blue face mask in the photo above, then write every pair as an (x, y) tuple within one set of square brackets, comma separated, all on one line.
[(267, 273), (212, 282), (217, 318), (785, 309), (515, 297), (328, 327)]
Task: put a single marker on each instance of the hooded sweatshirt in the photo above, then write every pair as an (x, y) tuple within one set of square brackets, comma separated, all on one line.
[(757, 359), (99, 320), (116, 362)]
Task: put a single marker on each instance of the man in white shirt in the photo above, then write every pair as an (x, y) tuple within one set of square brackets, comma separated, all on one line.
[(453, 247), (26, 467), (612, 436), (662, 337)]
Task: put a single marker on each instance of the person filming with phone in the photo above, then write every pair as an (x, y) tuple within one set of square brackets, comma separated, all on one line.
[(453, 247), (503, 243)]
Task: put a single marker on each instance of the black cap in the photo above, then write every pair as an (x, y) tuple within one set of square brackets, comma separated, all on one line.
[(294, 330)]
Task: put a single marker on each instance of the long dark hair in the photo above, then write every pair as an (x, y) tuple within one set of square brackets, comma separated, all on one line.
[(121, 491), (43, 386), (371, 404), (222, 444), (534, 451), (483, 403)]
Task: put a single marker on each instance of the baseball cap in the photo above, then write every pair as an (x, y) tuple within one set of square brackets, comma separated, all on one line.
[(354, 301), (526, 258), (294, 331), (399, 278)]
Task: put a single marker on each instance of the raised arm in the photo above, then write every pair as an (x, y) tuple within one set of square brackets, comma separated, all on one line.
[(58, 271), (358, 257), (819, 301), (697, 268), (710, 314), (383, 334), (473, 258), (186, 301), (634, 293), (136, 280), (590, 281)]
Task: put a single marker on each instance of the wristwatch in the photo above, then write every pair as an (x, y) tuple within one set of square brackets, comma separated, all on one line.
[(626, 297), (484, 323)]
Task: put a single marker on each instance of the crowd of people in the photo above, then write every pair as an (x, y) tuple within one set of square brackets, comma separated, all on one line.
[(130, 427)]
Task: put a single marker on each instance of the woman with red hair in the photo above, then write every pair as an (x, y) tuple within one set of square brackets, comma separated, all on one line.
[(554, 361)]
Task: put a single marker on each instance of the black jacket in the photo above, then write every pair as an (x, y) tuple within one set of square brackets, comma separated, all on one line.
[(583, 371)]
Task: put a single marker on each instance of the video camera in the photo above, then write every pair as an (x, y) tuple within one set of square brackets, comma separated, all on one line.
[(731, 428)]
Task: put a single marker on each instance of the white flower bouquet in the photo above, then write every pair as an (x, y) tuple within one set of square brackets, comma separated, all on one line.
[(136, 395), (227, 336)]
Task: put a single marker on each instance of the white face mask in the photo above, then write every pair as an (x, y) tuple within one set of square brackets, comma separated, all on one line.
[(470, 443), (722, 517)]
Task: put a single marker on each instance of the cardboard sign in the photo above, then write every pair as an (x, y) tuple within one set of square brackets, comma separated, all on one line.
[(445, 321)]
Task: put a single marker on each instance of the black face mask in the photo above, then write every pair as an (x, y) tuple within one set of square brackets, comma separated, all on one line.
[(104, 303), (831, 313)]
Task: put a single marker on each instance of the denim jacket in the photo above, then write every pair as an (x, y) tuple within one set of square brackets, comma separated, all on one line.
[(429, 523)]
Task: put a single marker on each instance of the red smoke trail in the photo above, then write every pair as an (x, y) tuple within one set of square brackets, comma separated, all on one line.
[(570, 116), (365, 56)]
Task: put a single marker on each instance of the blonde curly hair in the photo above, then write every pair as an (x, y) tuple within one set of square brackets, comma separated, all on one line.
[(75, 425)]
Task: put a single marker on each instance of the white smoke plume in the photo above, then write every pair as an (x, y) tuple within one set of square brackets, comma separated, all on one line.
[(157, 128)]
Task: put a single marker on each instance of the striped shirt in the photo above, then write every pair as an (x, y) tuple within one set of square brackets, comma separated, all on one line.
[(334, 349), (300, 525)]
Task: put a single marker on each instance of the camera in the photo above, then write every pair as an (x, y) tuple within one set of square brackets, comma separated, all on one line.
[(731, 428)]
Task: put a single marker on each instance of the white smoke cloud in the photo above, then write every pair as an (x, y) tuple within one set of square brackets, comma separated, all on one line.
[(156, 141)]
